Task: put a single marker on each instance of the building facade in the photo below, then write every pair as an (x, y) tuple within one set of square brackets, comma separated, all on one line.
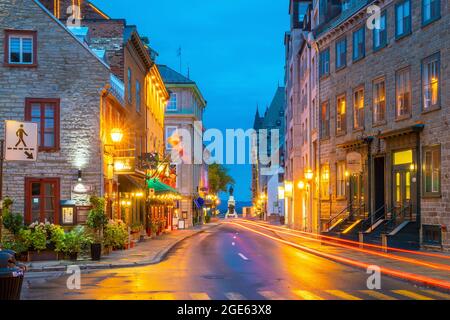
[(184, 133)]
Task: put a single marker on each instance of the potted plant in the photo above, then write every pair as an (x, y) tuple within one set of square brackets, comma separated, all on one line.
[(97, 220), (116, 234), (73, 241)]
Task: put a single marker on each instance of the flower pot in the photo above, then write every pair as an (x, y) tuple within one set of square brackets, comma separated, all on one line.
[(96, 251)]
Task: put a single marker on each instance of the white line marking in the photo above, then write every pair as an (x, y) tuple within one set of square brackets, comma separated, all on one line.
[(234, 296), (243, 257), (233, 244)]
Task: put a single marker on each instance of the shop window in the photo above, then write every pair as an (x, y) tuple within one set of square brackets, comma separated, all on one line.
[(403, 92), (379, 101), (432, 235), (325, 182), (340, 180), (358, 109), (341, 115), (45, 112), (431, 82), (42, 200), (403, 157), (20, 48), (432, 171)]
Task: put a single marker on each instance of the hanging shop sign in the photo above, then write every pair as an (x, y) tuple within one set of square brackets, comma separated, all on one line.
[(124, 165), (354, 163), (21, 140)]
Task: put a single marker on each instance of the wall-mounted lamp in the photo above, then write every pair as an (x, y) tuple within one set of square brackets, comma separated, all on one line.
[(309, 175), (80, 175)]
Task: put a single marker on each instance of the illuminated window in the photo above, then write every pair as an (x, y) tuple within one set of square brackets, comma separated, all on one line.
[(325, 181), (379, 101), (341, 115), (403, 157), (358, 109), (432, 170), (340, 180), (430, 82), (403, 91)]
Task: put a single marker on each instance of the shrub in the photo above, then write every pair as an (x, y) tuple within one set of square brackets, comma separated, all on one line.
[(12, 222), (207, 219), (97, 219), (75, 240), (115, 234)]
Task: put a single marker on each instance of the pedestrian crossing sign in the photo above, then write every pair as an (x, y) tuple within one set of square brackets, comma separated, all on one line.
[(21, 141)]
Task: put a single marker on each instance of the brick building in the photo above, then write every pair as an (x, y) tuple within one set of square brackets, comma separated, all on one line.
[(384, 98)]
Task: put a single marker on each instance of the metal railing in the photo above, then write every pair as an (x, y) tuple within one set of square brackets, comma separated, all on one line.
[(334, 219), (376, 218), (393, 222)]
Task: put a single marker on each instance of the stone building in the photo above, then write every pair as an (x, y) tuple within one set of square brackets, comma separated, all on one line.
[(183, 117), (384, 97), (49, 76)]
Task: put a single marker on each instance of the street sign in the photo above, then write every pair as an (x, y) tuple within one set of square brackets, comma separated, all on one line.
[(21, 141)]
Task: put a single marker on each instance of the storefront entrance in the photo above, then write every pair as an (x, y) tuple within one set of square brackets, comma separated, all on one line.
[(403, 187)]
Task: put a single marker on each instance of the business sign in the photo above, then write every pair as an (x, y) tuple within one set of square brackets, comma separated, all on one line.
[(124, 165), (354, 163), (21, 141)]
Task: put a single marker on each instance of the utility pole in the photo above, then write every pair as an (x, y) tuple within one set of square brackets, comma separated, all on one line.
[(2, 157)]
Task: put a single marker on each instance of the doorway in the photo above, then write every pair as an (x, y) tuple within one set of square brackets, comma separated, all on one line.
[(403, 188), (356, 192), (379, 177)]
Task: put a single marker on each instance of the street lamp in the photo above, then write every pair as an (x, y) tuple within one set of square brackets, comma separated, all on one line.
[(301, 185), (309, 175), (116, 135)]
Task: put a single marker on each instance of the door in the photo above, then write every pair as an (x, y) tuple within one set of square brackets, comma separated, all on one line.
[(42, 200), (356, 192), (402, 195)]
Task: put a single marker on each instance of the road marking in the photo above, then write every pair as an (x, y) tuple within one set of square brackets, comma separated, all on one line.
[(243, 257), (437, 294), (412, 295), (200, 296), (234, 296), (306, 295), (233, 244), (270, 295), (342, 295), (378, 295)]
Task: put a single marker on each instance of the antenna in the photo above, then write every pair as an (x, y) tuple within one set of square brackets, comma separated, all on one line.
[(179, 54)]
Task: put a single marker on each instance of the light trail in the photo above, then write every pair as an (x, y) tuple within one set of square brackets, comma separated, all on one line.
[(392, 272), (427, 254), (375, 253)]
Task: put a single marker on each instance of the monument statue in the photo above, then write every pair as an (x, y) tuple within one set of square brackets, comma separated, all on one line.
[(231, 213)]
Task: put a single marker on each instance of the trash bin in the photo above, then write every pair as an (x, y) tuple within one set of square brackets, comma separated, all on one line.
[(11, 277)]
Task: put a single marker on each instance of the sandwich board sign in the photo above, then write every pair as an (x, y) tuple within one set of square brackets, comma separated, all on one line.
[(21, 141)]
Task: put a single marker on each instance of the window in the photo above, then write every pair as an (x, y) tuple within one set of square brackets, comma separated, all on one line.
[(340, 180), (42, 200), (341, 115), (403, 18), (130, 97), (432, 171), (20, 48), (325, 120), (380, 35), (138, 96), (341, 53), (403, 92), (45, 112), (431, 11), (358, 109), (432, 235), (171, 133), (359, 44), (172, 106), (379, 101), (325, 182), (431, 82), (324, 63)]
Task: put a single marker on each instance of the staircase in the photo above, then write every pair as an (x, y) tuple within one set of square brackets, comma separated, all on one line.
[(344, 225)]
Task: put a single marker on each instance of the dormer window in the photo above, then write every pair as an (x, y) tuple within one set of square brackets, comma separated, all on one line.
[(21, 48)]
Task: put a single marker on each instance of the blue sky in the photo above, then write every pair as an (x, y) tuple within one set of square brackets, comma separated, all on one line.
[(234, 50)]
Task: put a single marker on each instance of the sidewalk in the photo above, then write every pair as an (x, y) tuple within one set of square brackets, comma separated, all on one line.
[(404, 267), (149, 252)]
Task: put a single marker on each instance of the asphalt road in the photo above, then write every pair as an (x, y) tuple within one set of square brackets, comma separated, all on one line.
[(227, 263)]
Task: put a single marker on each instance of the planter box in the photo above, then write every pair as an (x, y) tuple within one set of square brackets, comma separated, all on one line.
[(45, 255)]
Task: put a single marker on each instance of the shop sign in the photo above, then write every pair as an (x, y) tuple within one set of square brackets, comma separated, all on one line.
[(354, 163), (124, 165)]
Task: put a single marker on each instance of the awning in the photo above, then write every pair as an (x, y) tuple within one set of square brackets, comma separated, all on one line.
[(160, 188), (128, 183)]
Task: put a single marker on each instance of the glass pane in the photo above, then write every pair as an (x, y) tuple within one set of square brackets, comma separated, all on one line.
[(398, 187), (14, 49), (35, 204), (35, 216), (50, 216), (49, 204), (49, 139), (35, 189), (408, 185), (403, 157), (49, 190)]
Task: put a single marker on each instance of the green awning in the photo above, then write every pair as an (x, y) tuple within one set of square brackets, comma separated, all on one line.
[(160, 187)]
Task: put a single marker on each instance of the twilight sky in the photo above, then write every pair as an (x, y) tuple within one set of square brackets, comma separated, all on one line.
[(234, 50)]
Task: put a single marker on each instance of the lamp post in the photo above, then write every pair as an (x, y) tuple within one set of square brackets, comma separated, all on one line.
[(116, 136), (309, 176)]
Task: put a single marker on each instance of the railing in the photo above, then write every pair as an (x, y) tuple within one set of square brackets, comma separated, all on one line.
[(376, 217), (393, 222), (334, 219)]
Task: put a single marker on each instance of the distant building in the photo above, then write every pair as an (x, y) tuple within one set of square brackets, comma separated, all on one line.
[(184, 112), (268, 177)]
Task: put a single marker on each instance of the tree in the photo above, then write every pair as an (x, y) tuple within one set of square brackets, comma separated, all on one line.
[(219, 179)]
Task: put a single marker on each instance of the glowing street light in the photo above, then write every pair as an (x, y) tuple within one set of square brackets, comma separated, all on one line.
[(301, 185), (309, 175), (116, 135)]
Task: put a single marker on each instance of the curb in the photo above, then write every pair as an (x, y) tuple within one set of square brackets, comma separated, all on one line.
[(155, 260), (419, 283)]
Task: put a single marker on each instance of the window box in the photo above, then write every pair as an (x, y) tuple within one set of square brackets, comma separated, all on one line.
[(20, 49)]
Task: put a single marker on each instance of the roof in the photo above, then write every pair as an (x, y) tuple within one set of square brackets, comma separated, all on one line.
[(275, 112), (170, 76), (128, 32)]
